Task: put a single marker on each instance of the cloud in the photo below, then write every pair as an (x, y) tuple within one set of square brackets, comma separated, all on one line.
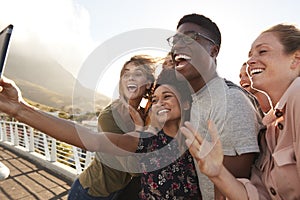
[(58, 28)]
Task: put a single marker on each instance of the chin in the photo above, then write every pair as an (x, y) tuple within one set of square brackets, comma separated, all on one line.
[(162, 120), (257, 87), (131, 96)]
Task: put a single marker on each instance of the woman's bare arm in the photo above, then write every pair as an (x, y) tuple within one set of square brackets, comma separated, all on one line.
[(13, 104)]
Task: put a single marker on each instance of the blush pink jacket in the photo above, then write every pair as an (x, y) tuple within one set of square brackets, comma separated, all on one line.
[(276, 174)]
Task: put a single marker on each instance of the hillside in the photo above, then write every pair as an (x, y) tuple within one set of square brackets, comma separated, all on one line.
[(43, 80)]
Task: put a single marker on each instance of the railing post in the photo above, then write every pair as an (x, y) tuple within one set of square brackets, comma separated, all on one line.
[(31, 140), (26, 140), (53, 155), (4, 132), (46, 148), (16, 132), (76, 160), (11, 132)]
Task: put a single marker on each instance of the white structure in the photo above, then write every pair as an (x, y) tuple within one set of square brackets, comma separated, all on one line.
[(65, 159)]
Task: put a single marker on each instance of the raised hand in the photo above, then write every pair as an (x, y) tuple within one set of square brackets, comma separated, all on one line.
[(137, 119), (209, 155), (10, 97)]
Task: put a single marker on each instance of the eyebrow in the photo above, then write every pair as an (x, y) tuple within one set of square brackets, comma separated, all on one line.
[(189, 32), (257, 46), (164, 92), (135, 70)]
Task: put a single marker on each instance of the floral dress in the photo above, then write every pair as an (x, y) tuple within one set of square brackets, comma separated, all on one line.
[(167, 173)]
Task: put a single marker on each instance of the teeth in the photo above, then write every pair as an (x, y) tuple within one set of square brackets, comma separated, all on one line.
[(179, 66), (162, 111), (256, 71), (131, 87), (244, 85), (182, 56)]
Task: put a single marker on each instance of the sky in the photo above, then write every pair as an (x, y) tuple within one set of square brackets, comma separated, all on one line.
[(93, 38)]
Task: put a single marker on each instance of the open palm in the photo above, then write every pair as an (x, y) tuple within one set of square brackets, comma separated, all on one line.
[(208, 154)]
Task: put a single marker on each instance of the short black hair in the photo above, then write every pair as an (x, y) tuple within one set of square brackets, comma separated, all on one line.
[(205, 23)]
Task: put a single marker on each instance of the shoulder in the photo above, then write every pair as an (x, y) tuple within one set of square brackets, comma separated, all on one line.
[(291, 97), (294, 94), (238, 95), (105, 113), (106, 109), (111, 109), (223, 87), (107, 121), (235, 89)]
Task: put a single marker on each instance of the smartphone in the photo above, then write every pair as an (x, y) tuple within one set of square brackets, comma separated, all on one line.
[(4, 45)]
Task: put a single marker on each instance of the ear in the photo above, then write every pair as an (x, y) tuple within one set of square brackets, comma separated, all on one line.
[(186, 105), (214, 51), (296, 60)]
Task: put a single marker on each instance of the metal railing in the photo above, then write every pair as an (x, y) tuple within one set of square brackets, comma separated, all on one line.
[(31, 140)]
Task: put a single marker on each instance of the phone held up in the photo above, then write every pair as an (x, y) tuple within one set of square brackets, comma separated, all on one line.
[(5, 35)]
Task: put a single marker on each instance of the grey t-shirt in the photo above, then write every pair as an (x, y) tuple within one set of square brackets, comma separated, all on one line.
[(236, 119)]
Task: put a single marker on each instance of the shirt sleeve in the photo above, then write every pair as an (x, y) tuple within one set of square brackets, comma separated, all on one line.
[(293, 110), (255, 187), (107, 123), (251, 189)]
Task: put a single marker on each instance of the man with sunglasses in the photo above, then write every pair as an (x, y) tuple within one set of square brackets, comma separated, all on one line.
[(195, 48)]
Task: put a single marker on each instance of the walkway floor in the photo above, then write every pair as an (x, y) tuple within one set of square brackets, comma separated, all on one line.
[(30, 181)]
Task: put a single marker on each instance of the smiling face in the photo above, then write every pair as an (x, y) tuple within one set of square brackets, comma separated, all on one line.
[(168, 62), (193, 54), (269, 65), (133, 82), (165, 105), (245, 81)]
